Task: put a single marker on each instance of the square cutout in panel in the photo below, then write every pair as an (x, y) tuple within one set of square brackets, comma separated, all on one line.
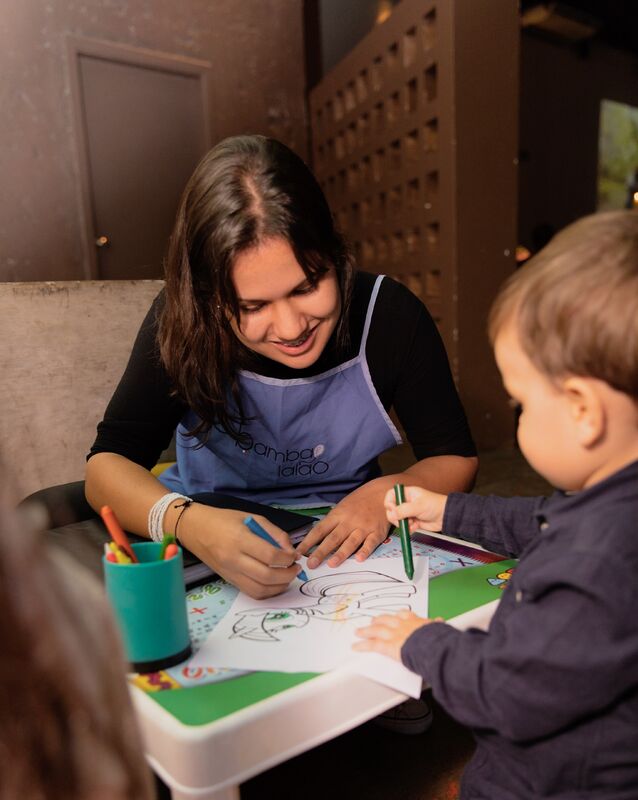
[(393, 108), (378, 114), (412, 241), (350, 98), (382, 206), (329, 111), (394, 201), (362, 85), (430, 83), (411, 96), (431, 136), (411, 145), (351, 137), (433, 283), (397, 247), (395, 154), (363, 129), (432, 184), (428, 30), (412, 193), (366, 171), (432, 236), (392, 56), (377, 73), (378, 164), (353, 177), (409, 47)]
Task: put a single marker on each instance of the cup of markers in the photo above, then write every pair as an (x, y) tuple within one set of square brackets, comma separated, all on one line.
[(145, 585)]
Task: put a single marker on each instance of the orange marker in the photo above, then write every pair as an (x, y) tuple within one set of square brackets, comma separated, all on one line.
[(117, 534), (171, 550)]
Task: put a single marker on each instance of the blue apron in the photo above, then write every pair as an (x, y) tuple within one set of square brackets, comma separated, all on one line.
[(309, 441)]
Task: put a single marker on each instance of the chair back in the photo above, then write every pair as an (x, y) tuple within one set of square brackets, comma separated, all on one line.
[(64, 347)]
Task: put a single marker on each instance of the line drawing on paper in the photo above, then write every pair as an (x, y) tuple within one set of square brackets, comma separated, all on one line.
[(340, 597)]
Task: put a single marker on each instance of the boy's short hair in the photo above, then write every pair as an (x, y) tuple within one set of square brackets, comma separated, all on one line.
[(575, 304)]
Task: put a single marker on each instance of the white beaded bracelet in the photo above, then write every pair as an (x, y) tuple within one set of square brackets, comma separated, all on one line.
[(158, 512)]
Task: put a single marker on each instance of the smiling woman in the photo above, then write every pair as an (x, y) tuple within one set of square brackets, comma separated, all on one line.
[(294, 317), (278, 365)]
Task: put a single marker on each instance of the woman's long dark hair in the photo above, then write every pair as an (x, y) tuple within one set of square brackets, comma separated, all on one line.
[(246, 190)]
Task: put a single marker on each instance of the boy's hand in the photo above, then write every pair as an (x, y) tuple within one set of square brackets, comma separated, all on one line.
[(422, 508), (388, 632)]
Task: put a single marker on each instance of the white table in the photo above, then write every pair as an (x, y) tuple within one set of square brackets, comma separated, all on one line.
[(210, 761)]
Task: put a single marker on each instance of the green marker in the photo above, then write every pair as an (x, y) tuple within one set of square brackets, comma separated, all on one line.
[(406, 542)]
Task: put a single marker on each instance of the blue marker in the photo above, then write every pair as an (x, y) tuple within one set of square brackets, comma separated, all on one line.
[(256, 528)]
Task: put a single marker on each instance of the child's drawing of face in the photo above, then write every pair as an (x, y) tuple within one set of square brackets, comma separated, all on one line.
[(265, 625), (546, 432), (338, 597)]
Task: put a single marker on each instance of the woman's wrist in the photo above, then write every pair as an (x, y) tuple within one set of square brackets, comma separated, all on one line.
[(176, 519), (190, 525), (157, 521)]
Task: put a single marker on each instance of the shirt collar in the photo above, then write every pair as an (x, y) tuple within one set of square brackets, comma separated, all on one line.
[(620, 485)]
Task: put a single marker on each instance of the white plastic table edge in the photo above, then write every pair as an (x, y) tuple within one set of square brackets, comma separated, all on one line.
[(209, 761)]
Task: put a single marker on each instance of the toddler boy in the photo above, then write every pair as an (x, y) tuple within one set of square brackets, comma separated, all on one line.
[(551, 689)]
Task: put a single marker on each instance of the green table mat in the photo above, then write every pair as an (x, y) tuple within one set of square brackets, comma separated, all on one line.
[(450, 594)]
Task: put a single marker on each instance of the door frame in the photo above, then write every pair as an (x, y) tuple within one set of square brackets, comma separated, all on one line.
[(78, 46)]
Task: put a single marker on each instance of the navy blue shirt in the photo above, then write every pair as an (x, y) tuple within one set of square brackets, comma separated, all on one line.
[(551, 689)]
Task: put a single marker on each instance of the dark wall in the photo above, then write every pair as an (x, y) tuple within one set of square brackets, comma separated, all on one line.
[(258, 84), (342, 26), (561, 90)]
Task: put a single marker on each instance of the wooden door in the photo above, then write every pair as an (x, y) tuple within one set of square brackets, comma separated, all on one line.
[(143, 125)]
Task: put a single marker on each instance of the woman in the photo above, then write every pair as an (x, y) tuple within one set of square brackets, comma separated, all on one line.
[(278, 364)]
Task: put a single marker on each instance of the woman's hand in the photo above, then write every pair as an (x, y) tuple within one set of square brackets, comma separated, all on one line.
[(220, 539), (387, 633), (358, 523)]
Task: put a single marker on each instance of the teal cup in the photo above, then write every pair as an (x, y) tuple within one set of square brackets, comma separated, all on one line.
[(149, 602)]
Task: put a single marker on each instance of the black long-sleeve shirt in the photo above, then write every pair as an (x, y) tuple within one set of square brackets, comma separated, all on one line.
[(406, 357), (551, 690)]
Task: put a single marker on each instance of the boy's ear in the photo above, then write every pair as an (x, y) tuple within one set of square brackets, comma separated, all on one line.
[(586, 410)]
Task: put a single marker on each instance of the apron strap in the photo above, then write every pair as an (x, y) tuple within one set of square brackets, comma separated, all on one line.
[(371, 304)]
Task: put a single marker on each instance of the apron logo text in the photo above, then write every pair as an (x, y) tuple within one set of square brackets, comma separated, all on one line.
[(290, 462)]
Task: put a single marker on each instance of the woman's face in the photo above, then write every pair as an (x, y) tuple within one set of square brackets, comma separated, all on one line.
[(282, 315)]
